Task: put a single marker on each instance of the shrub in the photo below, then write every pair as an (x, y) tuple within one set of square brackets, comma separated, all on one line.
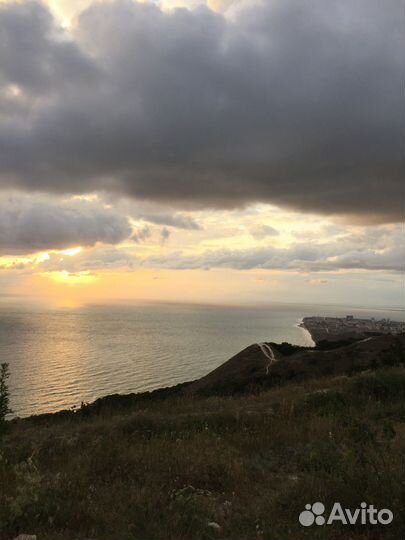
[(381, 386), (325, 403)]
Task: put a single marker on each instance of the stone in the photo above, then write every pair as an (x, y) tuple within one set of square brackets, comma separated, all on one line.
[(214, 525)]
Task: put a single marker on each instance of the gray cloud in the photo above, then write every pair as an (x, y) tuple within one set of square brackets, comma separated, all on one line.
[(179, 221), (33, 224), (295, 259), (141, 234), (164, 235), (377, 249), (290, 102), (262, 231), (151, 212), (89, 260), (36, 56), (355, 252)]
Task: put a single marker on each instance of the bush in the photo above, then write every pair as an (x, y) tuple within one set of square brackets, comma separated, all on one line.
[(326, 403), (384, 386)]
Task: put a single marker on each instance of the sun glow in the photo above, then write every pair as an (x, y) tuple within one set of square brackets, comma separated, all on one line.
[(71, 252), (42, 257), (71, 278)]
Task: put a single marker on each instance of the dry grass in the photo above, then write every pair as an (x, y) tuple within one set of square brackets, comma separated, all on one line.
[(166, 469)]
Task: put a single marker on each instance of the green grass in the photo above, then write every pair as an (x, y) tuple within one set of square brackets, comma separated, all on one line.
[(165, 469)]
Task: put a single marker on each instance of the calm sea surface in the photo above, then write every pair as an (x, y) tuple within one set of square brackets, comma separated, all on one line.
[(60, 358)]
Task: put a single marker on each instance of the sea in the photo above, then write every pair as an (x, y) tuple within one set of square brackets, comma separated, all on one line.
[(60, 358)]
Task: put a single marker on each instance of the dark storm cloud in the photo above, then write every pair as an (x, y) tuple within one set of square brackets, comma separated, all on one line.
[(28, 225), (36, 56), (297, 103)]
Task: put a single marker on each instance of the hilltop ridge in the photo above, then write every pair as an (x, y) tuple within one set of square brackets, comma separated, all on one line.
[(250, 369)]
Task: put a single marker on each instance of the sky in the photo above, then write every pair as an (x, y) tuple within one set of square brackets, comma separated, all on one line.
[(231, 152)]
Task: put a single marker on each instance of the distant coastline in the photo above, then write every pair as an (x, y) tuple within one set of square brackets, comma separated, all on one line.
[(349, 327), (304, 329)]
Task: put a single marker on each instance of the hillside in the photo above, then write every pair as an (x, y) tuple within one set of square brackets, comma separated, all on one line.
[(235, 455), (256, 368)]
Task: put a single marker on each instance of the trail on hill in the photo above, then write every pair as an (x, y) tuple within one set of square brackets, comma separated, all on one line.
[(269, 354)]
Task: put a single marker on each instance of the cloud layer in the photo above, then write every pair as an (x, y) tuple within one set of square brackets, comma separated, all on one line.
[(290, 102), (376, 249), (30, 225)]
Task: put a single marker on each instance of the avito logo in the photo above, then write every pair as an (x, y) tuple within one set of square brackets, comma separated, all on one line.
[(365, 515)]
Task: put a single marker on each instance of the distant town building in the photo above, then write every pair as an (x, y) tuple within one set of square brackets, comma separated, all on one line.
[(335, 328)]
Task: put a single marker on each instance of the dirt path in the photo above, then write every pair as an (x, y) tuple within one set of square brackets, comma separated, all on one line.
[(269, 354)]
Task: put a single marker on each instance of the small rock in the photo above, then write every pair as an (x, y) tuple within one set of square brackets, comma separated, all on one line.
[(214, 525)]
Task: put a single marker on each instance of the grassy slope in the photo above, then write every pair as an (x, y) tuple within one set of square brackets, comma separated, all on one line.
[(164, 469)]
